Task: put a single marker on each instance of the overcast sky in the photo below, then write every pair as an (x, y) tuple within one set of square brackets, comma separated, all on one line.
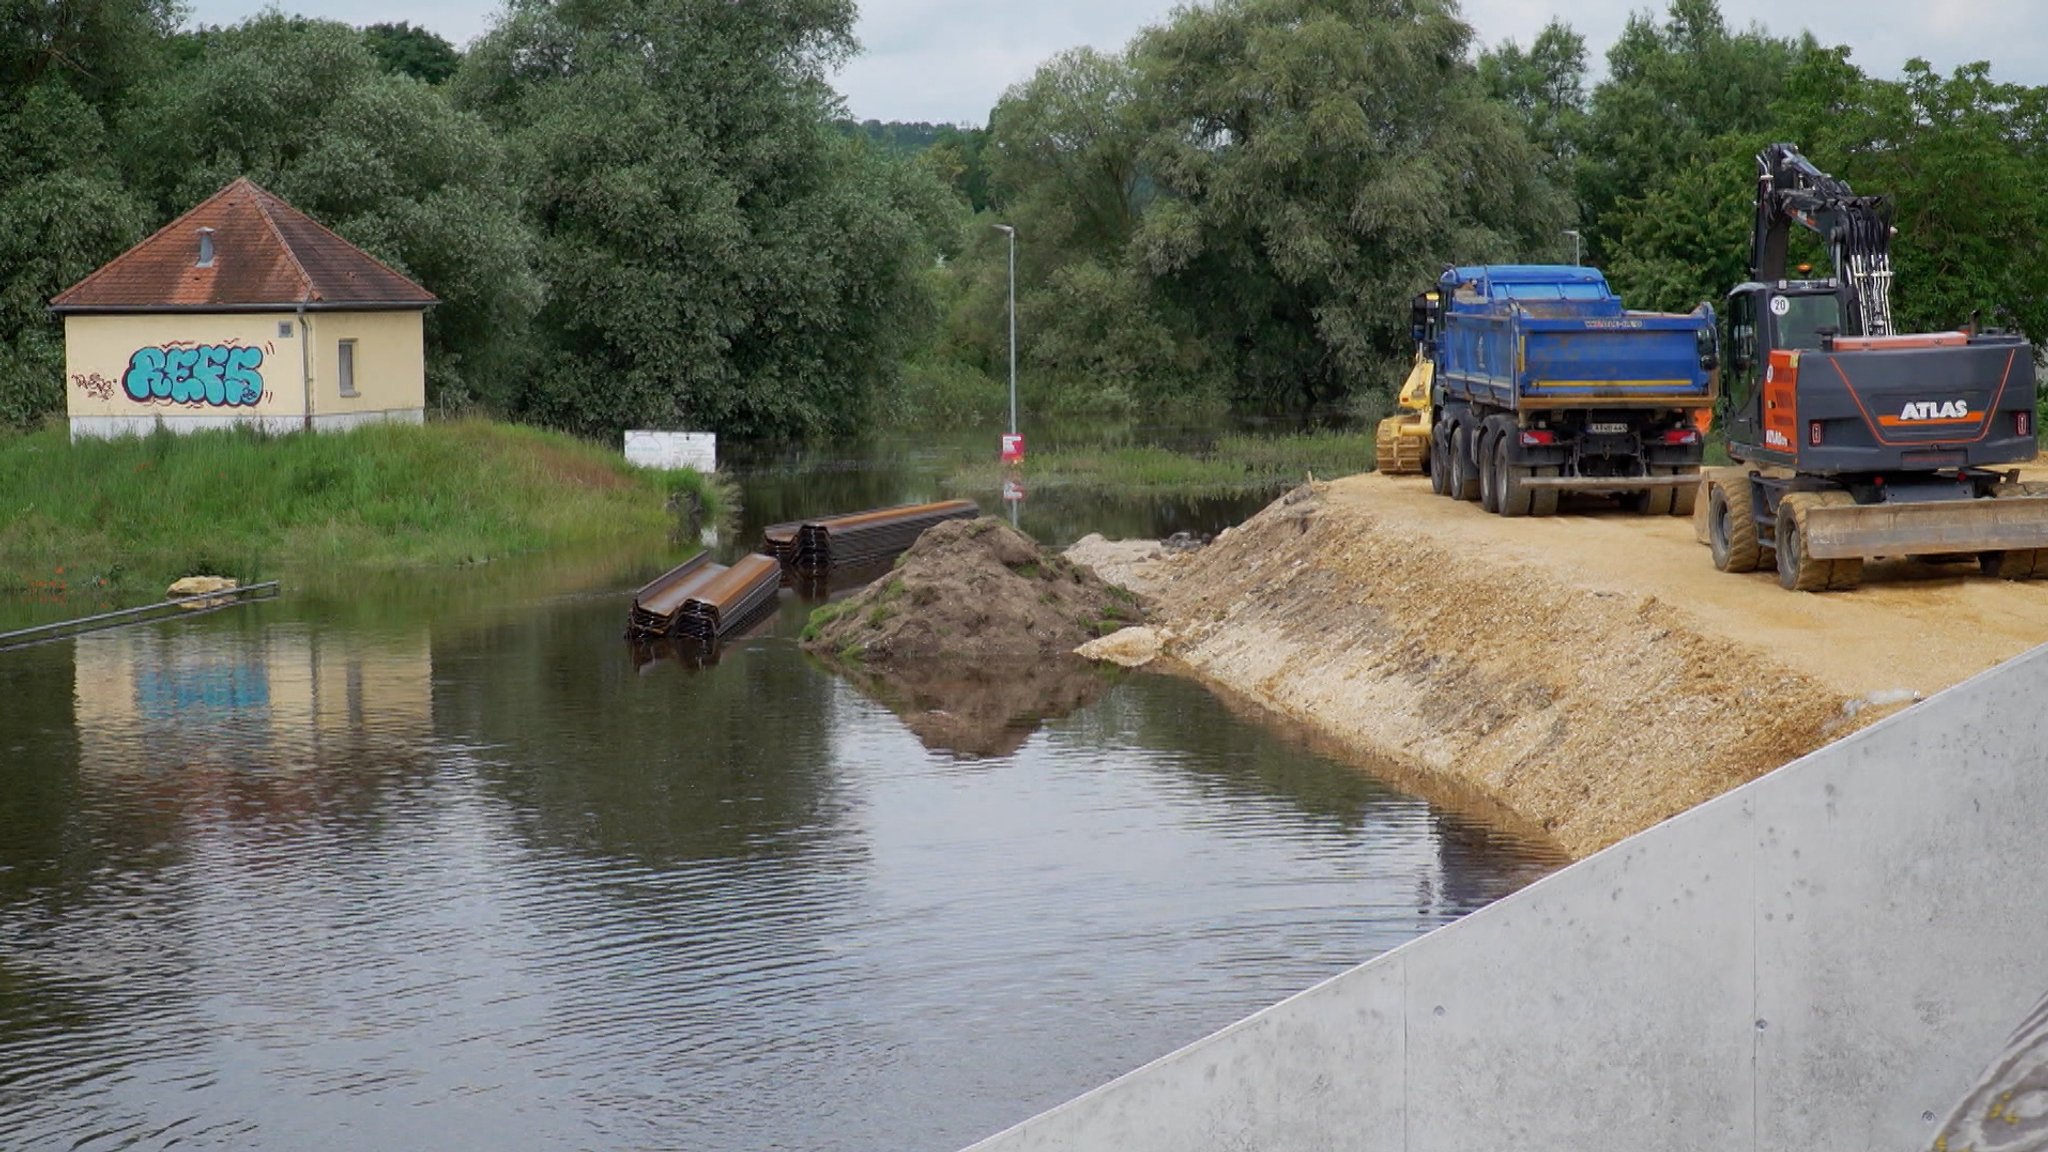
[(949, 60)]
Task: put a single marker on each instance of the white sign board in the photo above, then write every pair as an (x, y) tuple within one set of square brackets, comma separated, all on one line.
[(697, 450)]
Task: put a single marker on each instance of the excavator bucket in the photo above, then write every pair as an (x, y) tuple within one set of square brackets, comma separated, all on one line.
[(1849, 531)]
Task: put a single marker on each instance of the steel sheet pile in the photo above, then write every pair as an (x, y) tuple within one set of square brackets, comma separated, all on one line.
[(869, 536), (732, 597), (701, 600), (779, 541)]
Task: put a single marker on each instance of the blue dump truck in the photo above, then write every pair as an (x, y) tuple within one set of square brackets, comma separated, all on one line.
[(1545, 384)]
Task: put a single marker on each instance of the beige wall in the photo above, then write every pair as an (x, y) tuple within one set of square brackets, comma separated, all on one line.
[(236, 355), (391, 367), (100, 351)]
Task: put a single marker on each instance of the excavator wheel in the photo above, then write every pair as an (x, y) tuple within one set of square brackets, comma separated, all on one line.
[(1682, 499), (1512, 499), (1845, 575), (1383, 445), (1797, 572), (1464, 485), (2021, 564), (2025, 564), (1731, 526)]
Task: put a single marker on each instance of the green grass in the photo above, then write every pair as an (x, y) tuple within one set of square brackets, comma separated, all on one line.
[(133, 514), (1235, 464)]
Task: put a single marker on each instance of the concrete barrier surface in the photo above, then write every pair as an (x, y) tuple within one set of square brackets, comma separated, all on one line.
[(1824, 958)]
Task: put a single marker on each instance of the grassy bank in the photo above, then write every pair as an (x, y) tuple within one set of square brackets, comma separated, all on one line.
[(107, 517), (1233, 463)]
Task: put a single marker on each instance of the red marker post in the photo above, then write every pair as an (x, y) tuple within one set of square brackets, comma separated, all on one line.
[(1013, 448)]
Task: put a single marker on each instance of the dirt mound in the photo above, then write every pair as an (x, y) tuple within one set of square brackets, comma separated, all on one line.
[(973, 594), (1593, 711)]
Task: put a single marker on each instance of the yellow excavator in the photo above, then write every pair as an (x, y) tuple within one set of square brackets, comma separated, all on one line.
[(1403, 443)]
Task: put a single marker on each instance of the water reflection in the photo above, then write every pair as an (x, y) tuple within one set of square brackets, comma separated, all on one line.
[(419, 863), (979, 713)]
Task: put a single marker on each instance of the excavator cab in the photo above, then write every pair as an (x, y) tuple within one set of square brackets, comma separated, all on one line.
[(1791, 316)]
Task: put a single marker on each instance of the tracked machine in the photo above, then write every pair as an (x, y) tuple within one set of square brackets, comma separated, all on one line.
[(1402, 446), (1853, 441)]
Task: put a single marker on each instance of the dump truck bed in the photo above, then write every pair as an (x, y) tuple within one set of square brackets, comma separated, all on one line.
[(1525, 338)]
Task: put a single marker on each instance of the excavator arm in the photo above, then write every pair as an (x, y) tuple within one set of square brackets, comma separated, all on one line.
[(1857, 230)]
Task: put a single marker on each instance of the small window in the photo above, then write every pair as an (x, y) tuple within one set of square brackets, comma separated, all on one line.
[(284, 329), (347, 372)]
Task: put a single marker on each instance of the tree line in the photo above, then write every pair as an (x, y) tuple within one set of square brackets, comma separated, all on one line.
[(1235, 208), (657, 212)]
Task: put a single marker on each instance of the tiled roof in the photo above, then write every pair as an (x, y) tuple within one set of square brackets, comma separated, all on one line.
[(265, 253)]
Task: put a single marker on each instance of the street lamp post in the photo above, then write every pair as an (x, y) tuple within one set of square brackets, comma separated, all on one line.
[(1574, 234), (1011, 232)]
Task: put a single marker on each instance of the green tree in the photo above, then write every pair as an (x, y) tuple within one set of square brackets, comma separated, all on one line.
[(409, 51), (1318, 161), (1546, 87), (958, 159), (1673, 92), (303, 108), (63, 208), (1962, 158), (718, 254), (98, 48)]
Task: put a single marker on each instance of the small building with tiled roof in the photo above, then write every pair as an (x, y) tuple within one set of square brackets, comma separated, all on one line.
[(242, 311)]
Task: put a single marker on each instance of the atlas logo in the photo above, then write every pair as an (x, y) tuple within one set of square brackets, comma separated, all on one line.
[(1930, 410)]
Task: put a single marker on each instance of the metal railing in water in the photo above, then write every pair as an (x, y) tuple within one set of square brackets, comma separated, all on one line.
[(147, 613)]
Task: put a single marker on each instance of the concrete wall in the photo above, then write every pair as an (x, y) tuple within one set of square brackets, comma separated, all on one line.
[(129, 374), (1824, 958)]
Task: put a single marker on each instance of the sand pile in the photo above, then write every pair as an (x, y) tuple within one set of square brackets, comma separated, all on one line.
[(1592, 712), (976, 594)]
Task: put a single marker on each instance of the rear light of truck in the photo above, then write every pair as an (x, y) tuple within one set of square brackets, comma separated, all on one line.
[(1681, 436), (1813, 432), (1538, 437), (2023, 423)]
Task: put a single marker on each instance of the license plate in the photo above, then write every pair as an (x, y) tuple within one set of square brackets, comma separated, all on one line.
[(1608, 429)]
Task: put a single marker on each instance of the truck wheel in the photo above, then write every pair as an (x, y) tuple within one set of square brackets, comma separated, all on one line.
[(1514, 500), (1798, 572), (1487, 449), (1464, 483), (1543, 501), (1683, 500), (1439, 463), (1658, 501), (1731, 526)]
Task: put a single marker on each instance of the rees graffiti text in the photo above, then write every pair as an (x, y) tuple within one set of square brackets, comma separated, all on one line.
[(219, 375)]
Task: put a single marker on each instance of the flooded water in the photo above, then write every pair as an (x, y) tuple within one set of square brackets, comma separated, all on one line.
[(445, 864)]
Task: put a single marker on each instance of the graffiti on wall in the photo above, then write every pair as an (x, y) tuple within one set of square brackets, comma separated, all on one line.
[(212, 375)]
